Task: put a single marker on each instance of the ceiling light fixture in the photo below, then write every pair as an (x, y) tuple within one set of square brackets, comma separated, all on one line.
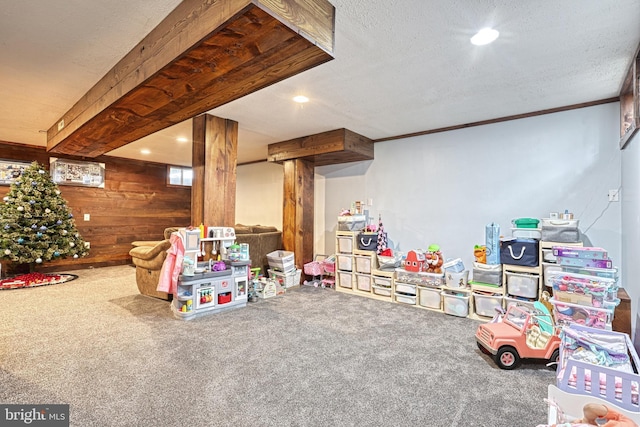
[(300, 99), (145, 151), (485, 36), (182, 139)]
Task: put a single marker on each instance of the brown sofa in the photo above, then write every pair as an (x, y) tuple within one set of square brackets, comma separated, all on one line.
[(262, 240), (148, 257)]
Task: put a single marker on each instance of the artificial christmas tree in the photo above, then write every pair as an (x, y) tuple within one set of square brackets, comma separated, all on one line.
[(37, 226)]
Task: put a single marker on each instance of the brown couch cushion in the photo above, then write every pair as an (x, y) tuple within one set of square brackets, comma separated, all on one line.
[(243, 229), (263, 229)]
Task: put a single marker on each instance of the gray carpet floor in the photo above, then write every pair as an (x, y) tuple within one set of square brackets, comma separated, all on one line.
[(312, 357)]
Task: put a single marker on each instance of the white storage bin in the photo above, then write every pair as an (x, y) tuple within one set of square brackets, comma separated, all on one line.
[(522, 284), (345, 244), (509, 301), (383, 282), (406, 288), (405, 299), (281, 260), (456, 280), (344, 262), (456, 304), (485, 305), (345, 280), (549, 222), (363, 264), (382, 290), (430, 298), (547, 270), (548, 256), (526, 233), (363, 282)]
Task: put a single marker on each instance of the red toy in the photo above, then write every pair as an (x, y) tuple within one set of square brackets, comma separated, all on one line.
[(415, 262)]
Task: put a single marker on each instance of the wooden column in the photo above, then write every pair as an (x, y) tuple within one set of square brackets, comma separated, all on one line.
[(297, 221), (214, 161)]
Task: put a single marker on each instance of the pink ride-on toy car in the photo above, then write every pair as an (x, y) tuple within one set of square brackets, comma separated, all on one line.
[(522, 333)]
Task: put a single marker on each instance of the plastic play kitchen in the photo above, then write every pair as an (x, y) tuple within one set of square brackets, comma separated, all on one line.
[(212, 286), (522, 333)]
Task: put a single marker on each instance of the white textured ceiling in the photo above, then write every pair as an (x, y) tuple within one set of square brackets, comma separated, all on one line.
[(401, 66)]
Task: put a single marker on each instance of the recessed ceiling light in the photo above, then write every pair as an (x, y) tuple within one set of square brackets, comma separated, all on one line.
[(145, 151), (485, 36), (301, 99), (182, 139)]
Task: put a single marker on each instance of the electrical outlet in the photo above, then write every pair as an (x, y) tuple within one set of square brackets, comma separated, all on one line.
[(87, 245), (614, 196), (87, 217)]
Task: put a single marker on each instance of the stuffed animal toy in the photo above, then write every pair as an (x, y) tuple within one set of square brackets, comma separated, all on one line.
[(480, 252), (433, 260)]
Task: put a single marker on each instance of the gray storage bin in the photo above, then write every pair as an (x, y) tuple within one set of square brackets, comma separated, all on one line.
[(560, 234), (488, 277)]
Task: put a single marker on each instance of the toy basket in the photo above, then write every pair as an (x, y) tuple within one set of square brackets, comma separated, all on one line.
[(288, 280)]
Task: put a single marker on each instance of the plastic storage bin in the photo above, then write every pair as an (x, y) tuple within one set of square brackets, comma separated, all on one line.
[(381, 290), (490, 277), (430, 298), (345, 244), (363, 264), (511, 300), (421, 279), (456, 304), (405, 288), (522, 284), (405, 299), (281, 260), (363, 282), (583, 289), (526, 222), (485, 305), (456, 280), (566, 313), (345, 279), (526, 233), (344, 262)]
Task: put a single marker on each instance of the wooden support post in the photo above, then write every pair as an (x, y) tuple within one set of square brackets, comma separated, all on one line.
[(297, 221), (214, 161)]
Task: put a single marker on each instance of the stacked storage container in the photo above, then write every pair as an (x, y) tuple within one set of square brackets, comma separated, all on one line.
[(585, 290), (520, 258), (487, 279)]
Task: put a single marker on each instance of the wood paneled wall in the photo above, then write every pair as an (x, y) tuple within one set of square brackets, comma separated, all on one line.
[(136, 204)]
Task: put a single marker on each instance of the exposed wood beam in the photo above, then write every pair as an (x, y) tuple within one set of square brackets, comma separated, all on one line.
[(203, 55), (326, 148), (214, 160), (297, 212)]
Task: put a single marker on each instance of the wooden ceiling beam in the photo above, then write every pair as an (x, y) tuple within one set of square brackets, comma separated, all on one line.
[(326, 148), (203, 55)]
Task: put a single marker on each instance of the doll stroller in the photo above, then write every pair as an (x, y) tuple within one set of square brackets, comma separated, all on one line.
[(322, 270)]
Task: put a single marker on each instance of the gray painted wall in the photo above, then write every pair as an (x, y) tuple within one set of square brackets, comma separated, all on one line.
[(630, 199), (444, 188)]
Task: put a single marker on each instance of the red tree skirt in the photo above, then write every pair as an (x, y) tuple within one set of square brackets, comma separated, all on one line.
[(32, 280)]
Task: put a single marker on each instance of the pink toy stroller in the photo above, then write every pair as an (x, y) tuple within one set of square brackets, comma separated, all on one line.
[(322, 269)]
